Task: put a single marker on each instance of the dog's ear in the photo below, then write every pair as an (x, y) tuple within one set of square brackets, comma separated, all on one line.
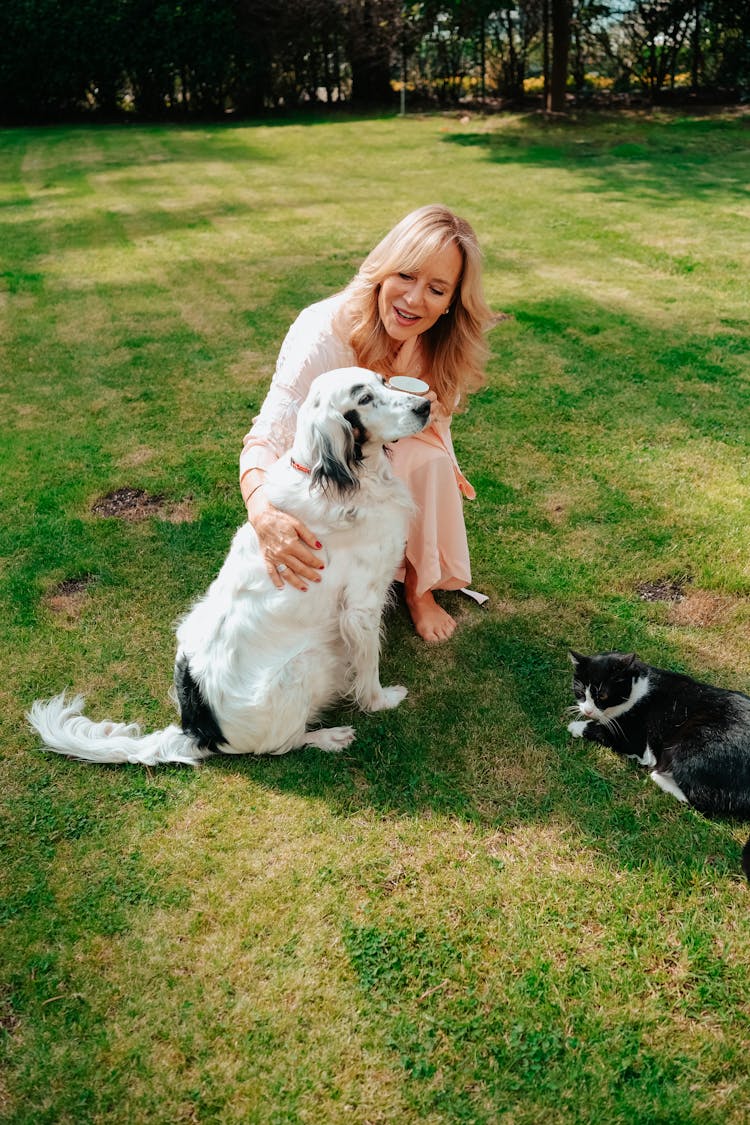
[(335, 454)]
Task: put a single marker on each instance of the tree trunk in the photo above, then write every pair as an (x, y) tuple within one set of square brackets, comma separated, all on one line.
[(482, 57), (545, 51), (369, 56), (560, 13), (695, 52)]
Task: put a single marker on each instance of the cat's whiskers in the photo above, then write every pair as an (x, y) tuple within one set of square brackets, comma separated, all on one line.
[(613, 725)]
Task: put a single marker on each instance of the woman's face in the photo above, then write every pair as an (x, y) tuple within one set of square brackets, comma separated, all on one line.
[(410, 303)]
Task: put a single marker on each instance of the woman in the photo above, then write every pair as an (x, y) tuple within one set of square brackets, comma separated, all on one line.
[(416, 307)]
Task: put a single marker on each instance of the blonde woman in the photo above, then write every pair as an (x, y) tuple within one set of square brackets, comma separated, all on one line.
[(415, 307)]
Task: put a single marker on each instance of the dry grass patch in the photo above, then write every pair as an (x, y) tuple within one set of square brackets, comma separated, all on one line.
[(704, 608), (721, 652), (141, 455), (69, 597)]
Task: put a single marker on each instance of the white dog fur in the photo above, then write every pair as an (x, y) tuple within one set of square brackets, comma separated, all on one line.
[(255, 665)]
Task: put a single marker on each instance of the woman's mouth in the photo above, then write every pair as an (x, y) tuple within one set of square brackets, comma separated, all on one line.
[(404, 317)]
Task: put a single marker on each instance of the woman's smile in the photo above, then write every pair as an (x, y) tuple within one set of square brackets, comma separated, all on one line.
[(402, 314)]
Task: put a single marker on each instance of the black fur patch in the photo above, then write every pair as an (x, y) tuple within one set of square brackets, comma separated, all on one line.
[(337, 457), (197, 718), (358, 431)]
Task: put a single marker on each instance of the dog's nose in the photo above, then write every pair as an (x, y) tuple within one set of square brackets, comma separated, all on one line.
[(422, 408)]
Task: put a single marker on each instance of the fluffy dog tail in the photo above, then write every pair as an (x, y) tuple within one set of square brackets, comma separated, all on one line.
[(62, 728)]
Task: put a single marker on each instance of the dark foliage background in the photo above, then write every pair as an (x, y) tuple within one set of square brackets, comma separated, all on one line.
[(205, 58)]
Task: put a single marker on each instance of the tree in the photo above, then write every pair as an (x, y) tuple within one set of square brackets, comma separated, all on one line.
[(372, 35), (514, 30), (169, 57), (558, 75), (725, 45)]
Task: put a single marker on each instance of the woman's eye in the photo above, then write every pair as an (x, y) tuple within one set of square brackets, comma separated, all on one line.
[(405, 276), (437, 292)]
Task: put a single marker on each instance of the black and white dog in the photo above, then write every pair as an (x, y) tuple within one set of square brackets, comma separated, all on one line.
[(255, 665)]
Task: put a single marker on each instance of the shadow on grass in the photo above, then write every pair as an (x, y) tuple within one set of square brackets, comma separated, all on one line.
[(510, 686), (622, 373), (666, 160)]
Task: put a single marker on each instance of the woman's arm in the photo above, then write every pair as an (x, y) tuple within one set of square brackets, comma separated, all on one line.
[(310, 348)]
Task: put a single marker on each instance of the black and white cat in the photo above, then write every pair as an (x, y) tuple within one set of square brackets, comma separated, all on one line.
[(694, 738)]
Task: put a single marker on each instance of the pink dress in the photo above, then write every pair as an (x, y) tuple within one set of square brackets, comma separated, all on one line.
[(436, 545)]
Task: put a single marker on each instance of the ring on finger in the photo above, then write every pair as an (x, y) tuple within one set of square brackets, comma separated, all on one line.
[(281, 568)]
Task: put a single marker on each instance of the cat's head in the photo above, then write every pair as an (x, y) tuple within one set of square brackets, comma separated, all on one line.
[(605, 685)]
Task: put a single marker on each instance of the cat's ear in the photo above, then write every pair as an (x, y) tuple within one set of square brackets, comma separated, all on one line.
[(629, 660), (575, 658)]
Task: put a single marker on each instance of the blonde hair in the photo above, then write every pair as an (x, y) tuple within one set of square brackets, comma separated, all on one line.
[(455, 349)]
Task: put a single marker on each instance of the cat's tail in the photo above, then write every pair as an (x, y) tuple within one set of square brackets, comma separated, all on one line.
[(62, 728), (746, 860)]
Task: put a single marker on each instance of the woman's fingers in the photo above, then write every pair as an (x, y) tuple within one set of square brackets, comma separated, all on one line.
[(274, 574), (299, 571), (284, 543)]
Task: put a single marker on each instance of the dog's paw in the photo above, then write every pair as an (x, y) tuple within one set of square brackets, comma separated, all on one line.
[(577, 727), (331, 739), (388, 698)]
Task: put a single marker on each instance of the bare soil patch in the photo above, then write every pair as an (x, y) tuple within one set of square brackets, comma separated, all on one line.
[(689, 606), (135, 504), (128, 504), (67, 599), (663, 589)]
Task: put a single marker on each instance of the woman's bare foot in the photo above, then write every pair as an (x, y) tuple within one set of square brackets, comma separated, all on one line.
[(431, 622)]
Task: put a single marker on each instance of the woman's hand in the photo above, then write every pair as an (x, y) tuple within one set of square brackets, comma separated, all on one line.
[(287, 546), (438, 413)]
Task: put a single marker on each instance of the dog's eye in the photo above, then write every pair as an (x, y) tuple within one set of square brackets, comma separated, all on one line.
[(365, 399)]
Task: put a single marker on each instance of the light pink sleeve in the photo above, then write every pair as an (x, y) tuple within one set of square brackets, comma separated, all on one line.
[(311, 347)]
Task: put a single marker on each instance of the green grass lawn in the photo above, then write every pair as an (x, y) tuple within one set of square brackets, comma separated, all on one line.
[(467, 917)]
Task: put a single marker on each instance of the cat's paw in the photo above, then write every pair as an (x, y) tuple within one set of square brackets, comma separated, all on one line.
[(577, 727)]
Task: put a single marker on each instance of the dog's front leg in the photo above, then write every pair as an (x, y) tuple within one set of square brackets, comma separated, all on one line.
[(360, 629)]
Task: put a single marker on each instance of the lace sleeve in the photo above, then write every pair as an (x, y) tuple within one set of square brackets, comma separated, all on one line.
[(310, 348)]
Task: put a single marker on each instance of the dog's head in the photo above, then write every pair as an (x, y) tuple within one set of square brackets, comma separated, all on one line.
[(346, 417)]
